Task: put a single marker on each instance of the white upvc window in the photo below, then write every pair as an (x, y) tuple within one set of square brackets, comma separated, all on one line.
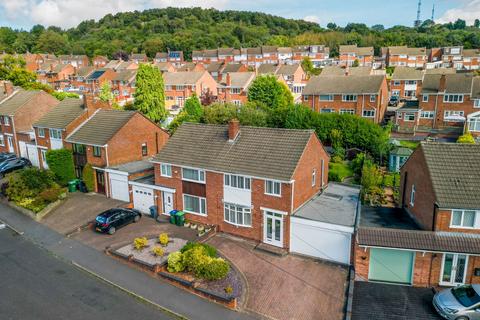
[(368, 113), (396, 93), (453, 98), (427, 114), (476, 103), (349, 97), (425, 98), (452, 113), (236, 181), (463, 218), (235, 90), (194, 175), (327, 110), (237, 102), (396, 83), (412, 195), (325, 97), (474, 124), (2, 140), (409, 116), (6, 121), (238, 215), (273, 188), (194, 205), (411, 82), (41, 132), (314, 177), (347, 111), (166, 170), (373, 98), (180, 87), (55, 134), (305, 98), (43, 153)]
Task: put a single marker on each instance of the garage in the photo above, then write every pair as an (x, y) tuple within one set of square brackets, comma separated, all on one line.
[(30, 152), (143, 198), (323, 228), (390, 265), (119, 187)]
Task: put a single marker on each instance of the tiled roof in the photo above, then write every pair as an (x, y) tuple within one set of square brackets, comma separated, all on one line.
[(101, 127), (288, 69), (125, 75), (344, 85), (406, 73), (359, 51), (399, 50), (240, 79), (419, 240), (471, 53), (10, 105), (232, 67), (455, 172), (339, 71), (260, 152), (84, 71), (455, 83), (62, 115), (266, 68), (182, 77), (214, 67)]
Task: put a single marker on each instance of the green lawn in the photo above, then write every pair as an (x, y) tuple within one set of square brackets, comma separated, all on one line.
[(409, 144), (339, 171)]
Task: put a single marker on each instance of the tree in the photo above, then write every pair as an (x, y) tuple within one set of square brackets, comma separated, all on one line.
[(332, 26), (152, 46), (356, 63), (220, 113), (378, 27), (460, 24), (52, 42), (60, 162), (308, 67), (150, 94), (207, 97), (251, 114), (106, 92), (268, 91), (193, 107)]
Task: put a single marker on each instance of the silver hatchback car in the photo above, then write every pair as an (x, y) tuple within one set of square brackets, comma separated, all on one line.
[(460, 303)]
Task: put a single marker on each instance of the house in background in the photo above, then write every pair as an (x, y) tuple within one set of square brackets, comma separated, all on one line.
[(403, 56), (351, 53), (100, 61), (95, 79), (235, 87), (110, 138), (138, 58), (406, 82), (245, 180), (75, 60), (123, 85)]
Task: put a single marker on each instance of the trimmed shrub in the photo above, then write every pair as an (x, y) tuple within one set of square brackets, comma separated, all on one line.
[(210, 251), (36, 179), (158, 251), (34, 204), (140, 243), (51, 194), (88, 178), (195, 260), (60, 162), (466, 138), (175, 262), (163, 239), (215, 269)]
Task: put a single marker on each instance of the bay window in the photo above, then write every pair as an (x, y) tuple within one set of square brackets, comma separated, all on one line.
[(238, 215)]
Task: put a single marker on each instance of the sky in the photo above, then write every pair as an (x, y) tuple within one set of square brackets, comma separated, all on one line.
[(23, 14)]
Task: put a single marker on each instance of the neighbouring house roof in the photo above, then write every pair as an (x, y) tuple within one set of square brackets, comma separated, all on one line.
[(401, 151), (471, 53), (100, 128), (288, 69), (419, 240), (440, 71), (163, 66), (215, 67), (384, 217), (240, 79), (476, 88), (410, 105), (455, 83), (232, 67), (133, 167), (454, 169), (339, 71), (256, 50), (112, 64), (359, 51), (225, 51), (398, 50), (138, 56), (344, 85), (337, 204), (9, 106), (189, 66), (161, 55), (125, 75), (285, 50), (182, 77), (62, 115), (406, 73), (272, 153), (96, 74), (266, 68), (269, 49), (84, 71)]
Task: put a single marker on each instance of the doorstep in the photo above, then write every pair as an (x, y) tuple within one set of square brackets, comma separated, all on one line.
[(281, 252)]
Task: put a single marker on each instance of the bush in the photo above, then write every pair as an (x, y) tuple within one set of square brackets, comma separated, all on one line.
[(51, 194), (466, 138), (163, 239), (36, 179), (215, 269), (158, 251), (210, 251), (88, 178), (60, 162), (34, 204), (337, 159), (175, 262), (195, 260), (228, 290), (140, 243)]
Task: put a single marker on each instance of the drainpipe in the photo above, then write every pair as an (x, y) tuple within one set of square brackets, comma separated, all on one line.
[(436, 108)]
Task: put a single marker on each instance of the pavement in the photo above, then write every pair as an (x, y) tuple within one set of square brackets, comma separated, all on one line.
[(137, 282), (288, 287), (73, 212), (36, 285), (386, 301)]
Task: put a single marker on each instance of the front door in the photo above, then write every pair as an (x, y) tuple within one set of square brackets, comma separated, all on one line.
[(100, 182), (10, 144), (454, 268), (273, 229), (167, 202)]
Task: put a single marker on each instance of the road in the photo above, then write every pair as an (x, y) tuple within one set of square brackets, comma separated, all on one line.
[(34, 284)]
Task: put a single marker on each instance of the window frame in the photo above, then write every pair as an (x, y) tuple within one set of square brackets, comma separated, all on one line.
[(314, 177), (144, 150), (165, 173), (200, 199), (407, 116), (329, 97), (448, 98), (462, 219), (228, 179), (425, 98), (431, 114), (200, 174), (6, 121), (373, 98), (367, 116), (55, 134), (273, 183), (236, 207), (94, 151), (412, 196), (346, 97), (41, 132)]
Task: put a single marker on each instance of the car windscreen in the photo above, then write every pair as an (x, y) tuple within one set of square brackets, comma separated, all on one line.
[(466, 295), (101, 219)]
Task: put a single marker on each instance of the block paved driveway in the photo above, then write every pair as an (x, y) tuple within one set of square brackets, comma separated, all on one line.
[(287, 287)]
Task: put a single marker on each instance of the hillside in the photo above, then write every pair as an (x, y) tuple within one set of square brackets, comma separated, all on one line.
[(188, 29)]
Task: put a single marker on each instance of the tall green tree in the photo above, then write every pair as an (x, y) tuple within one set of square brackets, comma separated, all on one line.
[(267, 90), (106, 92), (150, 93)]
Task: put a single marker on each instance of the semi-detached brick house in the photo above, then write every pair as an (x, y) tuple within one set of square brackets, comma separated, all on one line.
[(403, 56), (365, 96), (18, 112), (110, 138), (245, 180), (123, 85), (235, 87), (348, 54), (439, 191), (406, 82)]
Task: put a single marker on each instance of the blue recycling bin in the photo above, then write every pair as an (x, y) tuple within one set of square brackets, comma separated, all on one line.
[(153, 212), (173, 215)]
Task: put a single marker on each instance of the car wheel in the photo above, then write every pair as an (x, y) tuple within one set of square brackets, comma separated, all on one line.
[(137, 218), (111, 230), (462, 318)]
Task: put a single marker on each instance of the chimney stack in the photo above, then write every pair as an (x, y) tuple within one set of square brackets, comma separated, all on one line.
[(443, 83), (92, 104), (228, 80), (233, 129), (8, 88)]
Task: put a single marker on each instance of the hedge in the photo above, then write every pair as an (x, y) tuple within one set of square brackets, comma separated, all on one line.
[(60, 162), (88, 177)]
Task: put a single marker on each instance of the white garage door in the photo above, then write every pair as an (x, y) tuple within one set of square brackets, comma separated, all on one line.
[(119, 187), (320, 240), (32, 154), (23, 149), (143, 198)]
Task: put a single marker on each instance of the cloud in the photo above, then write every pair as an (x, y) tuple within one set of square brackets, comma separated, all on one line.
[(312, 18), (468, 11), (69, 13)]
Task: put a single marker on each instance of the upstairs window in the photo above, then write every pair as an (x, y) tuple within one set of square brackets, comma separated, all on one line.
[(325, 97), (144, 149), (463, 218), (349, 97), (193, 175), (55, 134), (425, 98), (373, 98), (273, 188), (6, 121), (166, 170), (97, 152), (412, 196), (314, 177), (235, 181), (453, 98), (41, 132), (235, 90)]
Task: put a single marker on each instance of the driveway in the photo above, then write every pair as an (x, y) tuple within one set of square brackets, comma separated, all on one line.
[(393, 302), (288, 287), (77, 210), (146, 227)]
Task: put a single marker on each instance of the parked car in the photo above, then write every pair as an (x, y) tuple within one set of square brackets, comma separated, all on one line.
[(394, 100), (113, 219), (460, 303), (6, 157), (14, 164)]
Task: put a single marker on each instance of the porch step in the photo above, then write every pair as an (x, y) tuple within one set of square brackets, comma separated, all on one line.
[(271, 249)]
